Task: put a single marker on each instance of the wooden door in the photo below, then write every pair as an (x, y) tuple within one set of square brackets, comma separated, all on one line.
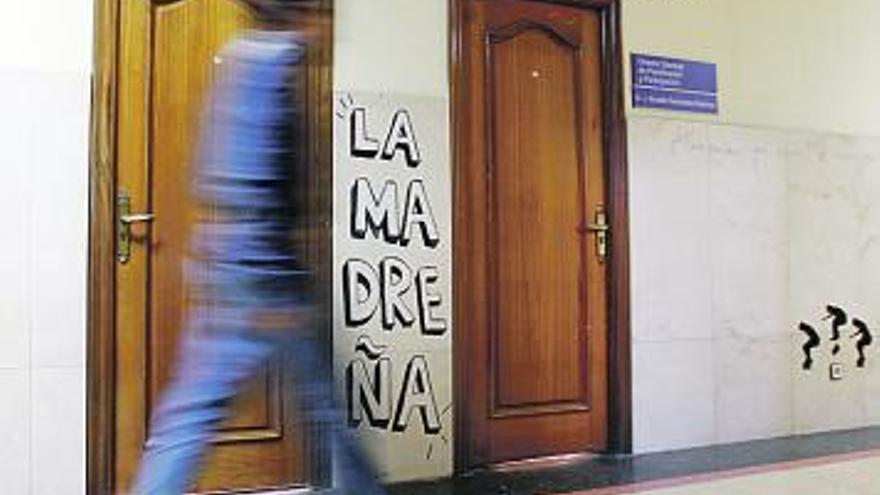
[(530, 273), (168, 60)]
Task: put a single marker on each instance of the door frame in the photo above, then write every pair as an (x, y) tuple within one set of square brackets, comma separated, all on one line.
[(101, 290), (616, 169)]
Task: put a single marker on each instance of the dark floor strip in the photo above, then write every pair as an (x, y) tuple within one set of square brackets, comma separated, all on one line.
[(605, 471)]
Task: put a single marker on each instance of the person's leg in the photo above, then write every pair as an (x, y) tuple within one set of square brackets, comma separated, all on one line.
[(214, 365), (310, 366), (212, 369)]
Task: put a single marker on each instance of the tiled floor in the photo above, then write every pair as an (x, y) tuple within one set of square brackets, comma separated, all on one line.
[(855, 475), (844, 463)]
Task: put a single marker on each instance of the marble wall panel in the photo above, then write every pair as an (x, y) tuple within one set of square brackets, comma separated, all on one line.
[(739, 234), (669, 211)]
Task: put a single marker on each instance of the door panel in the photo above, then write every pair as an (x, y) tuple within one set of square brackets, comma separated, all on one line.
[(532, 279), (168, 62), (534, 189)]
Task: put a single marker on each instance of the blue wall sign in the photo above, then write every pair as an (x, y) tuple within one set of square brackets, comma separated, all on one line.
[(674, 84)]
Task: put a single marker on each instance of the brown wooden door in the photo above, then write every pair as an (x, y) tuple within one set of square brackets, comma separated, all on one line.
[(530, 281), (168, 60)]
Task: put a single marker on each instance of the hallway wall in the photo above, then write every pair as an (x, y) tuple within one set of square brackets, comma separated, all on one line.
[(45, 66), (738, 235), (743, 224), (790, 64), (747, 223)]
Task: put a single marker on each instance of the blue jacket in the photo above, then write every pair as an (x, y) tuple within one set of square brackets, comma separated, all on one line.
[(249, 155)]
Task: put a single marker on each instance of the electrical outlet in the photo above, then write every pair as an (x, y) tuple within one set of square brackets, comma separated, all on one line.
[(835, 371)]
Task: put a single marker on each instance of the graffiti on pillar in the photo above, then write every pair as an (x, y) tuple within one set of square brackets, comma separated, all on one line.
[(392, 284), (837, 320), (371, 394)]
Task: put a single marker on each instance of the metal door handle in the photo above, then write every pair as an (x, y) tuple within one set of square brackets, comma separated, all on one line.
[(601, 228), (123, 227), (137, 218)]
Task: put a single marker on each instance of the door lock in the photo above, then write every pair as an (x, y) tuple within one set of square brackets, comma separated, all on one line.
[(125, 219)]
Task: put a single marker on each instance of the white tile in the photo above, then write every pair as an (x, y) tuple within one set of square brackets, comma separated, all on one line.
[(754, 388), (59, 425), (832, 224), (673, 395), (869, 274), (868, 242), (826, 267), (823, 209), (14, 432), (823, 255), (749, 289), (824, 230), (14, 323), (825, 163), (57, 94), (49, 35), (748, 232), (820, 404), (793, 225), (670, 253), (872, 389), (59, 220)]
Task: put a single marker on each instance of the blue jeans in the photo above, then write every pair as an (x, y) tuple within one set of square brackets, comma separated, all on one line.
[(213, 368), (244, 263)]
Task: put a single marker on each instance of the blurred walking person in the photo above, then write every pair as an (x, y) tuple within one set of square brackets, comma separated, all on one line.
[(250, 288)]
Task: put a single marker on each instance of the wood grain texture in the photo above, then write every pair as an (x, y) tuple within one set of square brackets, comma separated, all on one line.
[(620, 366), (536, 256), (101, 292), (130, 372), (596, 129), (154, 64)]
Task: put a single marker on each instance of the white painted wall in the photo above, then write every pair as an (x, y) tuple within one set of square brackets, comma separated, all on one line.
[(748, 222), (392, 46), (791, 64), (45, 66)]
